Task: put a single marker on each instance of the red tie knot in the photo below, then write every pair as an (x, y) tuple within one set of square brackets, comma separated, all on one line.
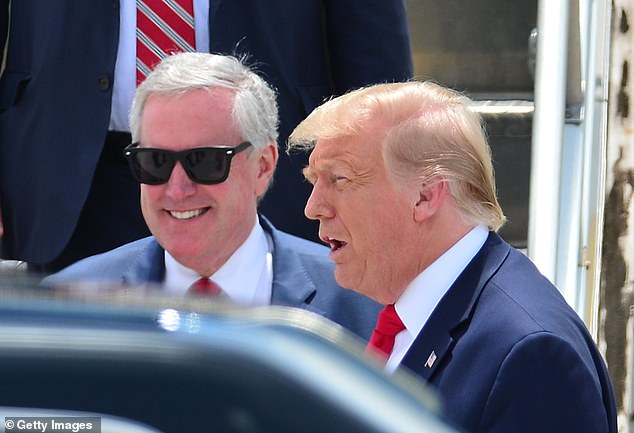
[(204, 286), (388, 325)]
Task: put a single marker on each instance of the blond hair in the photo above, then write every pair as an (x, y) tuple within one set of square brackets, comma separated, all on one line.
[(427, 131)]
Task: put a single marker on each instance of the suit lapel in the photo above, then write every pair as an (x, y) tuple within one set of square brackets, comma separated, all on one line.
[(213, 11), (432, 347), (148, 266), (291, 285)]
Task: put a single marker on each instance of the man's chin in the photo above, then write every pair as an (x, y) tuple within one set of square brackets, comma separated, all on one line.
[(347, 281), (351, 282), (185, 254)]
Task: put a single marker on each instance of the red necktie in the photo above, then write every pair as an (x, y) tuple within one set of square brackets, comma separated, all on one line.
[(163, 27), (204, 286), (388, 325)]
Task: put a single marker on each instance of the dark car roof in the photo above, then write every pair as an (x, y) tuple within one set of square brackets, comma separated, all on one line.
[(191, 365)]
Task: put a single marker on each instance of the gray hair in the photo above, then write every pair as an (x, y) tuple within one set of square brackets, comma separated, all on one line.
[(255, 111)]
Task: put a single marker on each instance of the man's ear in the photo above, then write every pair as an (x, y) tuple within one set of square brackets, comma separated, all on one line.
[(267, 160), (431, 195)]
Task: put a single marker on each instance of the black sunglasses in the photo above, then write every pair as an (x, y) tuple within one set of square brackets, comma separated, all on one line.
[(206, 165)]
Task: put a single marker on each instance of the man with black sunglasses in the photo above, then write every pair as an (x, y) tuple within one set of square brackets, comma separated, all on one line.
[(70, 72), (204, 131)]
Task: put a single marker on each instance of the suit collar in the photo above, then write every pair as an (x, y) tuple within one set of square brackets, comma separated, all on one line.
[(149, 267), (452, 315), (291, 283)]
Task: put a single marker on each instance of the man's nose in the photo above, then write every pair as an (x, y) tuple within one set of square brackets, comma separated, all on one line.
[(179, 184), (317, 205)]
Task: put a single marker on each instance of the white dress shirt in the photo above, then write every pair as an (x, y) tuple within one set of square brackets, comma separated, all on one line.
[(423, 294), (246, 278), (125, 68)]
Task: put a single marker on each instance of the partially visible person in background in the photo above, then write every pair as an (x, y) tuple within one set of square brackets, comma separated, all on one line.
[(4, 29), (204, 128), (65, 190), (404, 192)]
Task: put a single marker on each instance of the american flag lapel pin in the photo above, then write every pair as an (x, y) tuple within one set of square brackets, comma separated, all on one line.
[(432, 358)]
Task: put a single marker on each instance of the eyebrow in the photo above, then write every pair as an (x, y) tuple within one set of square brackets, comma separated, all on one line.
[(308, 173), (326, 165)]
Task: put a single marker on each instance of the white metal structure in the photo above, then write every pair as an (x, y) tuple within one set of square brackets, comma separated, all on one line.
[(568, 148), (581, 211)]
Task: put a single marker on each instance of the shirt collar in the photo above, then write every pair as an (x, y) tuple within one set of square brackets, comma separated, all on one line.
[(423, 294), (242, 287)]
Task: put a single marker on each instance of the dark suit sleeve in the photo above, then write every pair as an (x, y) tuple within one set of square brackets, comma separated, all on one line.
[(367, 42), (543, 385)]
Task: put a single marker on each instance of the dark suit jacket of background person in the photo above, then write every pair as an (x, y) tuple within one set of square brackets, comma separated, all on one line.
[(55, 96), (303, 277), (511, 355)]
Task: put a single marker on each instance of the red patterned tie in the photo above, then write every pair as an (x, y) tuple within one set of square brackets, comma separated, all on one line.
[(163, 27), (388, 325), (204, 286)]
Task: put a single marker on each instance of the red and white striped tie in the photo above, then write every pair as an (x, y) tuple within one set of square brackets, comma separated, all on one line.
[(163, 27)]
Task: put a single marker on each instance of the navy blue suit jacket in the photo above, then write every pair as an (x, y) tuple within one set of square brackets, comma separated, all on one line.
[(56, 92), (303, 277), (510, 355)]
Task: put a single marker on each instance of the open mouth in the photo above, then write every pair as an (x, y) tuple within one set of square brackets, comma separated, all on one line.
[(335, 244), (187, 214)]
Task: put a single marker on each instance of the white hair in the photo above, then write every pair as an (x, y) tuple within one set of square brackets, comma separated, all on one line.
[(255, 110)]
